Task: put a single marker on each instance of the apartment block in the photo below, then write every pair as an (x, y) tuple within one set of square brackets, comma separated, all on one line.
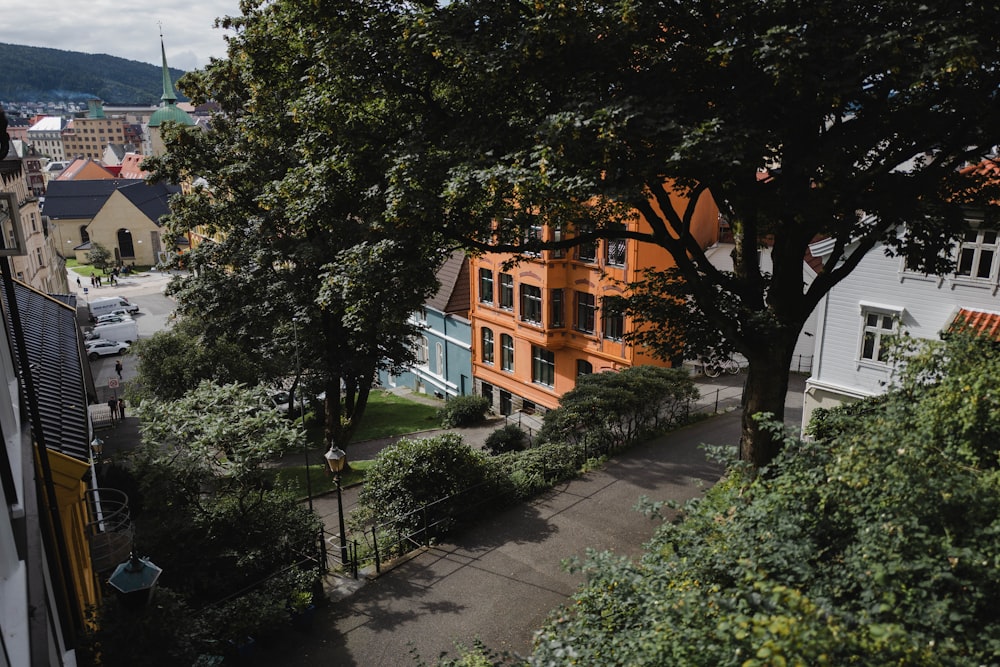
[(539, 324)]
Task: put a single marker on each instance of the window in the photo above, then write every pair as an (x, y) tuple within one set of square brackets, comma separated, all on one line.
[(543, 366), (439, 353), (613, 326), (587, 252), (422, 351), (977, 255), (507, 352), (614, 252), (557, 235), (585, 312), (531, 236), (506, 291), (583, 367), (487, 346), (556, 316), (486, 285), (531, 304), (877, 328)]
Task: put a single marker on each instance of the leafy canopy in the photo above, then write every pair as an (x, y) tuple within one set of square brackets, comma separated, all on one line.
[(875, 545)]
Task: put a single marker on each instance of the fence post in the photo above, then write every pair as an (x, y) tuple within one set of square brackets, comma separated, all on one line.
[(716, 401), (378, 562)]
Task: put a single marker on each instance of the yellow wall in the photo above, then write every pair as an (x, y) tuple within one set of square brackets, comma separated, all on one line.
[(119, 213)]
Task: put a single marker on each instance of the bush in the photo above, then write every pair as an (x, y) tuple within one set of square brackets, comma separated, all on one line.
[(535, 470), (508, 438), (463, 411), (628, 405), (407, 479), (876, 545)]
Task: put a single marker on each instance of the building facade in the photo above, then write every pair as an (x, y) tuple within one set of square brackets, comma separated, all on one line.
[(881, 298), (539, 325), (444, 347), (45, 135), (87, 137)]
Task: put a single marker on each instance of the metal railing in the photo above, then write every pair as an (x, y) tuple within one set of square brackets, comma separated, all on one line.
[(109, 528)]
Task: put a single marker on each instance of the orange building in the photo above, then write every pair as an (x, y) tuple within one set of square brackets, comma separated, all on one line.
[(538, 326)]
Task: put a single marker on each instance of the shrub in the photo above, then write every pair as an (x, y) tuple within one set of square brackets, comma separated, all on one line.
[(407, 479), (535, 470), (463, 411), (629, 405), (508, 438)]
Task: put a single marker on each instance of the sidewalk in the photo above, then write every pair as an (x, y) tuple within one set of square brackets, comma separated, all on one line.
[(499, 580)]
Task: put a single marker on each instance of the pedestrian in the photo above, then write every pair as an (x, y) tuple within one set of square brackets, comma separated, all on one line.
[(113, 409), (118, 368), (121, 408), (93, 281), (78, 283)]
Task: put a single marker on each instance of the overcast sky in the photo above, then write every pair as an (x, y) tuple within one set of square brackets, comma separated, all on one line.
[(124, 29)]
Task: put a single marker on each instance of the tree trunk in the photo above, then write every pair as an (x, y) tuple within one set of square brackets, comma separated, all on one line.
[(764, 391)]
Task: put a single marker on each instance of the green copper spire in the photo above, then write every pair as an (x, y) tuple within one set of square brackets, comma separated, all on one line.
[(168, 111), (169, 96)]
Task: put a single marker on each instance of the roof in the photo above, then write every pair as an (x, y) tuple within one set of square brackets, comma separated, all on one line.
[(52, 338), (150, 198), (79, 199), (171, 113), (453, 294), (84, 168), (48, 124), (976, 321)]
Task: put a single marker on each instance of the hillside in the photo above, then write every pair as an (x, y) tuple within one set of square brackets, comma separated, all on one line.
[(30, 73)]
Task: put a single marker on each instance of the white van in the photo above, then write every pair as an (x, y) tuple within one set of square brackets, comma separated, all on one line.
[(105, 305), (119, 331)]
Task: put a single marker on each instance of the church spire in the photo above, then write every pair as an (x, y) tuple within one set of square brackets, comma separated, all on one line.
[(169, 96)]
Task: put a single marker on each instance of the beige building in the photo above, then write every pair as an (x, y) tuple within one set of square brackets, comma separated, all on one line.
[(87, 137), (46, 137), (41, 268)]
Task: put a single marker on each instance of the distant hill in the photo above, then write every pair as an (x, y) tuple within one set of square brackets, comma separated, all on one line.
[(31, 73)]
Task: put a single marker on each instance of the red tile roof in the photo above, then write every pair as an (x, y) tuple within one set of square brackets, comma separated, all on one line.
[(982, 322)]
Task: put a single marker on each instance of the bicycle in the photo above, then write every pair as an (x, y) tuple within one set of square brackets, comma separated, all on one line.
[(714, 369)]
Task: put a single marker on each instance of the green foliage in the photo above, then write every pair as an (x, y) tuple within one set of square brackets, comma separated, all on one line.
[(507, 438), (217, 433), (538, 469), (874, 546), (463, 411), (99, 256), (409, 477), (173, 361), (614, 409), (118, 635), (228, 545)]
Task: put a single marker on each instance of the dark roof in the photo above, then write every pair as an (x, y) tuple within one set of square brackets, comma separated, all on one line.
[(54, 352), (453, 294), (79, 199), (150, 198)]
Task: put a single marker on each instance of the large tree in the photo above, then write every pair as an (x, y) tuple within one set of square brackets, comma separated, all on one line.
[(298, 265), (803, 120)]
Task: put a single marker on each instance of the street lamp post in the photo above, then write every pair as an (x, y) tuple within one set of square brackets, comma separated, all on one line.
[(336, 458)]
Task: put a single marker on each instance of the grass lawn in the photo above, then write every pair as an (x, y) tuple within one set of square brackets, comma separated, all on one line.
[(87, 270), (388, 414), (319, 478)]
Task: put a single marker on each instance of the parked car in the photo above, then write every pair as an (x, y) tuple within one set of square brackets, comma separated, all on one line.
[(105, 348), (112, 318)]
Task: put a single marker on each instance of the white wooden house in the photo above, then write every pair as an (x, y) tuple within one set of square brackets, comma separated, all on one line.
[(881, 297)]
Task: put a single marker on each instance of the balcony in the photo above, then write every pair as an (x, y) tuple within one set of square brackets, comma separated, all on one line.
[(109, 528)]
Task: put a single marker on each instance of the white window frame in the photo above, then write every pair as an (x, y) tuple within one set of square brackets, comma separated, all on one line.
[(878, 330)]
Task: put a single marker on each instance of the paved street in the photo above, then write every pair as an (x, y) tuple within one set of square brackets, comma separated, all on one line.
[(499, 580)]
